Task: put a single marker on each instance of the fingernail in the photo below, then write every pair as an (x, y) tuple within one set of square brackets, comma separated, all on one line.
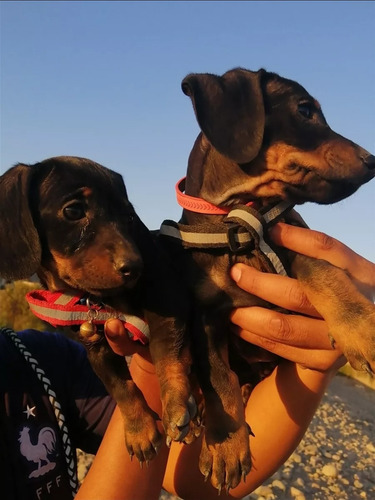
[(112, 327), (272, 231), (236, 273)]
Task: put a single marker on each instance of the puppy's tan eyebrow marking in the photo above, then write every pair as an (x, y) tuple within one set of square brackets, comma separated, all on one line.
[(83, 192)]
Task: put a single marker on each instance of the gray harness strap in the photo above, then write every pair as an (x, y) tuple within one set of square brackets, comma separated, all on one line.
[(241, 231)]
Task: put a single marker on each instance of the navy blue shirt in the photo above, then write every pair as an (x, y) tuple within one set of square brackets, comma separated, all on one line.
[(32, 459)]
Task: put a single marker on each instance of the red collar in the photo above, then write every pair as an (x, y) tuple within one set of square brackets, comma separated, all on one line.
[(198, 204), (68, 309)]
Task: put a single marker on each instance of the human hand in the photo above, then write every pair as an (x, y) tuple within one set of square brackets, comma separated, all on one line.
[(302, 339), (119, 340)]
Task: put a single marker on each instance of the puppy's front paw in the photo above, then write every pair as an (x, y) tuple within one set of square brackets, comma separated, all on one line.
[(180, 414), (226, 461), (142, 437), (181, 419), (358, 342)]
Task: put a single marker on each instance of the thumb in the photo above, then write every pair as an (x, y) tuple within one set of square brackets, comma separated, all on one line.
[(236, 272), (247, 278), (118, 338)]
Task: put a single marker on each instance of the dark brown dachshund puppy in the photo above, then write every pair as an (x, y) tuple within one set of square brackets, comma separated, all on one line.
[(264, 140), (70, 221)]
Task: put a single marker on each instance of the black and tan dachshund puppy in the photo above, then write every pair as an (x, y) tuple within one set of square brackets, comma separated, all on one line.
[(69, 220), (263, 140)]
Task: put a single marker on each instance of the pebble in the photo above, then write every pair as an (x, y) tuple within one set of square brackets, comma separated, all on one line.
[(311, 449), (264, 491), (296, 493), (335, 489), (278, 484), (300, 482), (287, 474), (329, 470)]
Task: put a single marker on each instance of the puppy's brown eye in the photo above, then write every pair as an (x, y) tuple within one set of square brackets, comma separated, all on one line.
[(75, 211), (306, 109)]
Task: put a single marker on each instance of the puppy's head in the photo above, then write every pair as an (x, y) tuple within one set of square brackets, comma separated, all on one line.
[(265, 137), (70, 221)]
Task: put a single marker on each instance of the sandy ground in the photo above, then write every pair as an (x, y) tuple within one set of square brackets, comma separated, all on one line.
[(335, 460)]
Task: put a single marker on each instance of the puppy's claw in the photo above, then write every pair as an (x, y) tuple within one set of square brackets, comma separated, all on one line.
[(219, 490), (192, 407), (366, 367), (332, 341), (184, 420), (183, 433), (168, 441), (251, 433), (198, 431), (244, 476), (157, 447)]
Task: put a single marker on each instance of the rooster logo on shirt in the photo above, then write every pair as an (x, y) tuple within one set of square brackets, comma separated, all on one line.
[(41, 452)]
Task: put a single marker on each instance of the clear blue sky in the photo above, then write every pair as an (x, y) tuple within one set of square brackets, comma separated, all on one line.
[(102, 80)]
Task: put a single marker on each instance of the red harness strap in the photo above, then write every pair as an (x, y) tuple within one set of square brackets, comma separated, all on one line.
[(68, 309)]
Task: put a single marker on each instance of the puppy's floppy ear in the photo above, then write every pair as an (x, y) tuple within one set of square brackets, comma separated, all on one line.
[(20, 250), (229, 110)]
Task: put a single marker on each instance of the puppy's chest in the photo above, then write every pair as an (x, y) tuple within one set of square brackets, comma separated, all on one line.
[(210, 279)]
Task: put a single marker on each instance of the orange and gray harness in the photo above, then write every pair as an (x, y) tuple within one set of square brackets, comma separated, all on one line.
[(242, 230)]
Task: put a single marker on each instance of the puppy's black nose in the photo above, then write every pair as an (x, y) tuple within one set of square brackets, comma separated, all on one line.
[(370, 162), (131, 270)]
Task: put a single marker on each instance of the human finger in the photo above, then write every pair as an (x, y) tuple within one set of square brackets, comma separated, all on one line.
[(278, 328), (279, 290), (119, 340), (314, 359), (321, 246)]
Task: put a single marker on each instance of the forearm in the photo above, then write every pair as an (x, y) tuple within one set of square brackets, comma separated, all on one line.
[(114, 476), (279, 412)]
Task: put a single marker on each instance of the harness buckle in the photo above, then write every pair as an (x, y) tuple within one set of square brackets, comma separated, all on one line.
[(239, 242)]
